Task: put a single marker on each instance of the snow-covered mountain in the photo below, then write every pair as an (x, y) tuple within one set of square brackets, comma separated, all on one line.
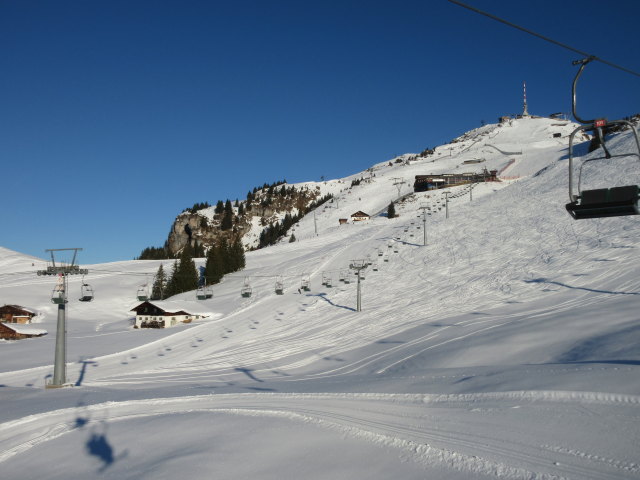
[(491, 147), (505, 347)]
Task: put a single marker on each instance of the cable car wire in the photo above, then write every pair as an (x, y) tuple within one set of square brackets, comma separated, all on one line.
[(550, 40)]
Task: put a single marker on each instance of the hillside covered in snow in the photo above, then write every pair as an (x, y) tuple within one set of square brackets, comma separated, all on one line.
[(506, 347)]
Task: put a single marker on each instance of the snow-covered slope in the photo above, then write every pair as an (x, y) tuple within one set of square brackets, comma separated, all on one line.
[(506, 347)]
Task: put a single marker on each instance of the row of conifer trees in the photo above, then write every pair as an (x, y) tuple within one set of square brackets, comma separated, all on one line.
[(222, 258)]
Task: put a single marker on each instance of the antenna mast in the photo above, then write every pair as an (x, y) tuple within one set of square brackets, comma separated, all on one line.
[(525, 113)]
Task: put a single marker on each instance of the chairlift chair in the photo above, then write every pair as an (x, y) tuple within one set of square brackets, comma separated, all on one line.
[(201, 294), (601, 202), (246, 290), (58, 296), (304, 284), (86, 293), (142, 294), (208, 292)]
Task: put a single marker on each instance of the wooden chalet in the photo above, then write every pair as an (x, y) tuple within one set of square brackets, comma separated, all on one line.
[(18, 332), (16, 314), (163, 314), (433, 182), (360, 216)]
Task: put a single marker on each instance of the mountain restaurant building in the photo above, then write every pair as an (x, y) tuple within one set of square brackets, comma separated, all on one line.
[(433, 182)]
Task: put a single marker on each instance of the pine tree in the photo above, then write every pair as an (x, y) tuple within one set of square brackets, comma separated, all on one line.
[(391, 210), (227, 219), (292, 238), (184, 276), (159, 285), (188, 273), (227, 222), (225, 256), (198, 250), (219, 207), (237, 252), (213, 268), (172, 287)]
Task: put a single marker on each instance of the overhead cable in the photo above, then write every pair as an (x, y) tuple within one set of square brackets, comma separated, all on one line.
[(550, 40)]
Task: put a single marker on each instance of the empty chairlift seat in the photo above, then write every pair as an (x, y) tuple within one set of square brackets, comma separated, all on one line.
[(605, 202), (602, 202), (86, 293)]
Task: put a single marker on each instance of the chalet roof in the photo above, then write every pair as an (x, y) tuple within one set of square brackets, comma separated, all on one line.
[(360, 213), (176, 307), (16, 309), (24, 329)]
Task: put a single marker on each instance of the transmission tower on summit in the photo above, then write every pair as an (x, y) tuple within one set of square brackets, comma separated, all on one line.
[(525, 112)]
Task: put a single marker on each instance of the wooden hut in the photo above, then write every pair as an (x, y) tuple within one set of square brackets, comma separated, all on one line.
[(16, 314), (359, 216), (18, 332)]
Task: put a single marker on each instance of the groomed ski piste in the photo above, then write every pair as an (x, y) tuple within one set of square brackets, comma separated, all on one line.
[(507, 347)]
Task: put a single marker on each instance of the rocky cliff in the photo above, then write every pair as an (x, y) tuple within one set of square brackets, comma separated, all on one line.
[(246, 219)]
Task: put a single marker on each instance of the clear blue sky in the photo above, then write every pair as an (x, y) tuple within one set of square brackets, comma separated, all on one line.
[(116, 115)]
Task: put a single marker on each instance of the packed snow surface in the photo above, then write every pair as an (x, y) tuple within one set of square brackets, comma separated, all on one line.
[(506, 347)]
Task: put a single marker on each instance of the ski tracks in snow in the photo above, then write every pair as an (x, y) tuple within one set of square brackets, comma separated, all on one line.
[(433, 430)]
